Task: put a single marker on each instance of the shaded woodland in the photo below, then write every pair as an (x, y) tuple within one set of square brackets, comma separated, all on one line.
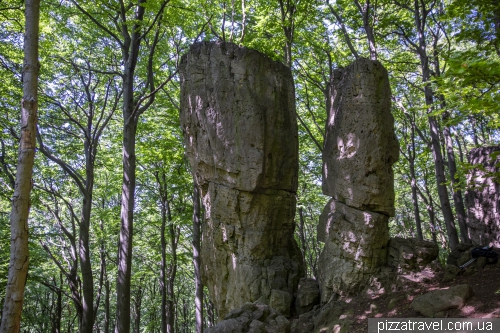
[(114, 216)]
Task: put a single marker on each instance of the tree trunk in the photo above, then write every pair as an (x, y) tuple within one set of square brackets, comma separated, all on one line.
[(138, 307), (370, 36), (450, 153), (130, 54), (347, 39), (56, 318), (163, 267), (457, 193), (106, 307), (430, 211), (420, 23), (87, 320), (302, 233), (414, 195), (127, 217), (441, 184), (172, 271), (198, 300), (287, 23), (496, 21), (19, 254)]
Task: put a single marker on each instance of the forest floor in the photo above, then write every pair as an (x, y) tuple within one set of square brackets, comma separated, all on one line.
[(484, 304)]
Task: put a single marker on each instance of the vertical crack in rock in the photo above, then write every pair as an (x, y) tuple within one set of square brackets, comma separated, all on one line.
[(240, 131), (483, 196), (360, 149)]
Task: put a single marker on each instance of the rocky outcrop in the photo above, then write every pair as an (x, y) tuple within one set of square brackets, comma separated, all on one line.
[(483, 196), (411, 254), (240, 131), (252, 318), (434, 303), (307, 296), (335, 316), (360, 149)]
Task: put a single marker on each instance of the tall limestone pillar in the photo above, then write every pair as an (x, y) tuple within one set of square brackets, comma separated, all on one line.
[(360, 149), (240, 131)]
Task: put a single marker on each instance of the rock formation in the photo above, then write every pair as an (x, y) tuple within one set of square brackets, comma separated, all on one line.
[(411, 254), (239, 123), (436, 302), (307, 296), (252, 318), (483, 196), (360, 149)]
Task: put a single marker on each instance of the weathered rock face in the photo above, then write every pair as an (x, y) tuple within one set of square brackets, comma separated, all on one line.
[(252, 318), (360, 144), (411, 254), (239, 123), (434, 303), (360, 148), (238, 114), (355, 247), (307, 296), (483, 197)]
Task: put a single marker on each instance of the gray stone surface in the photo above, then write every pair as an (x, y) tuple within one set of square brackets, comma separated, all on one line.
[(307, 295), (360, 149), (355, 248), (240, 131), (483, 196), (360, 143), (411, 254), (252, 318), (437, 301), (334, 317), (238, 117)]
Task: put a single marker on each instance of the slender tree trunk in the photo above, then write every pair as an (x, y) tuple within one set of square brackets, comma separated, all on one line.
[(163, 267), (457, 193), (432, 222), (287, 23), (431, 212), (126, 230), (56, 320), (452, 166), (414, 195), (302, 236), (370, 36), (459, 146), (414, 189), (130, 54), (420, 23), (138, 308), (172, 275), (347, 39), (107, 319), (198, 300), (441, 184), (87, 319), (19, 254)]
